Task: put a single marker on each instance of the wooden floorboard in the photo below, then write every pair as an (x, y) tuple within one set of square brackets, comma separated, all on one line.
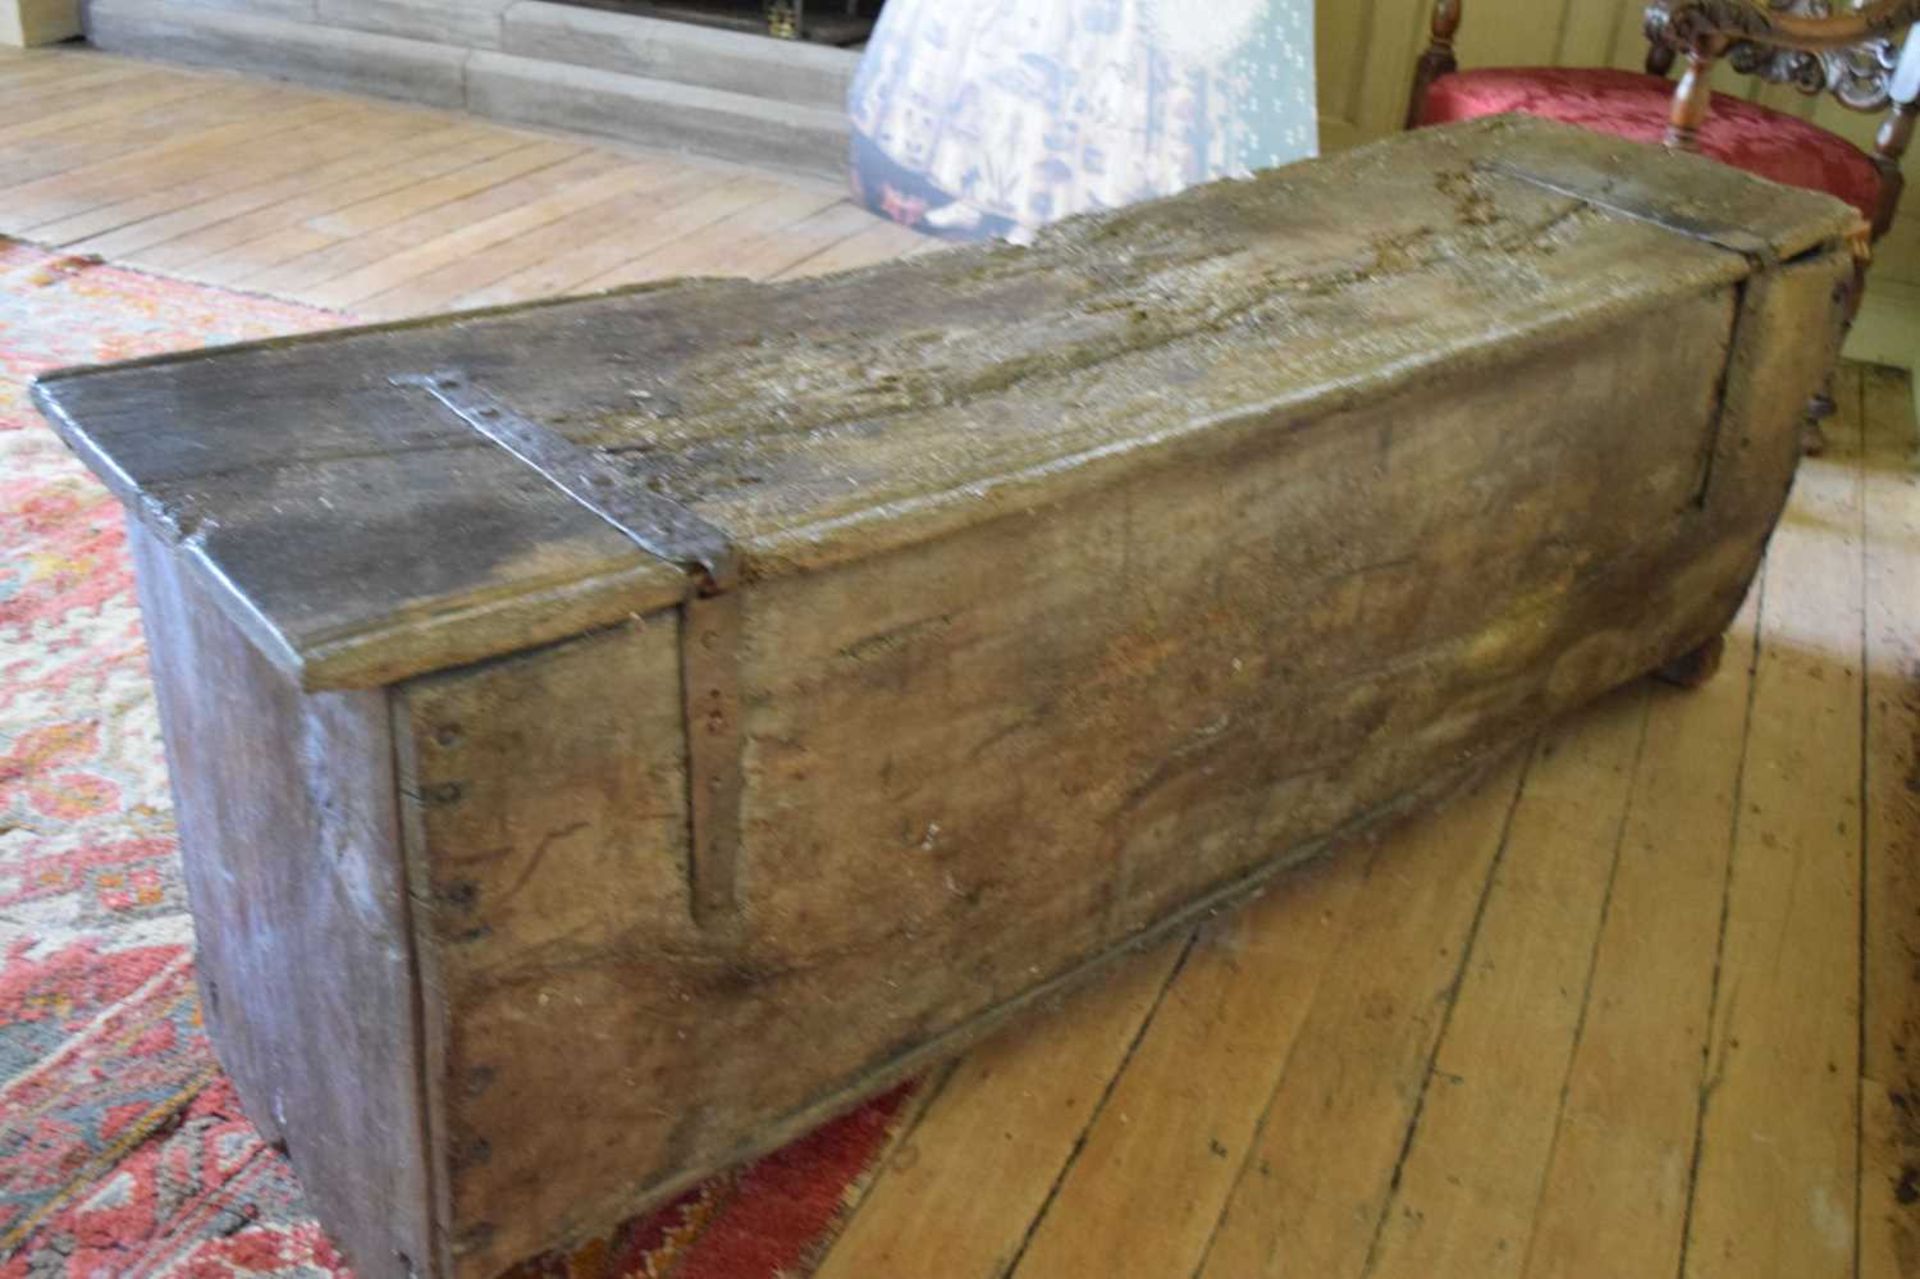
[(1468, 1183), (1890, 936), (1643, 1002), (118, 227), (191, 236), (611, 238), (1615, 1194), (361, 238), (99, 150), (380, 209), (964, 1187), (476, 228), (1311, 1191), (1238, 1005), (1775, 1181)]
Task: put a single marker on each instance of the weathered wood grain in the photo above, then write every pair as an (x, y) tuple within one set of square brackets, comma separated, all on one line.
[(826, 420), (527, 780), (290, 833), (1083, 590)]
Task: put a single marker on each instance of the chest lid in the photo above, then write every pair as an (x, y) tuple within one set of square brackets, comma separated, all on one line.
[(381, 502)]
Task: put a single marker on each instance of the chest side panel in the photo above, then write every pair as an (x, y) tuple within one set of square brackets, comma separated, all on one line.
[(974, 764)]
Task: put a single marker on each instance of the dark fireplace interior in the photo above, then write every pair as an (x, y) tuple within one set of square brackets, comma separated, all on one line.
[(837, 22)]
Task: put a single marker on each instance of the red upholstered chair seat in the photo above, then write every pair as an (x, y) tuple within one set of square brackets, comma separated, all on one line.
[(1629, 104)]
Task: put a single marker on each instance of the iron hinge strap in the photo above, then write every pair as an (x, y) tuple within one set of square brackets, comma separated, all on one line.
[(710, 619), (658, 525)]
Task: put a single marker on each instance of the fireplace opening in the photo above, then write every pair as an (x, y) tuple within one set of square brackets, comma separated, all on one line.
[(844, 23)]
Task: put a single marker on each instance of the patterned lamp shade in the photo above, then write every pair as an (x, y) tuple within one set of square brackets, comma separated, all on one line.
[(981, 118)]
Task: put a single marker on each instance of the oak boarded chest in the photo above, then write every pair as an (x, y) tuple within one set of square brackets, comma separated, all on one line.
[(611, 735)]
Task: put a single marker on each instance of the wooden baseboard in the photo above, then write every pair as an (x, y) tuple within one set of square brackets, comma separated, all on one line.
[(1887, 330), (25, 23)]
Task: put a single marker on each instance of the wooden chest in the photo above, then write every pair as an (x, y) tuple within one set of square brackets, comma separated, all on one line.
[(611, 735)]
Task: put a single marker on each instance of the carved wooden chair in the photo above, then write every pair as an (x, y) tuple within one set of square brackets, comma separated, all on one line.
[(1855, 53)]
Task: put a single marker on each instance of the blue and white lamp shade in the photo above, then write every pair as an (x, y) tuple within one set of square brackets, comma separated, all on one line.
[(990, 118)]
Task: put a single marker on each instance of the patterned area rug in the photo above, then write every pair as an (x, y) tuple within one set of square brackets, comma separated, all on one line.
[(122, 1148)]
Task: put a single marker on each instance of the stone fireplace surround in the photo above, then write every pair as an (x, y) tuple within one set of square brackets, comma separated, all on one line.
[(736, 96)]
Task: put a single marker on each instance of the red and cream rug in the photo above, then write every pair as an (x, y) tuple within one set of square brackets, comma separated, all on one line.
[(122, 1149)]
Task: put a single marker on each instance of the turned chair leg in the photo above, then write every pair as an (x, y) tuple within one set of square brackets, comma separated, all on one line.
[(1694, 667)]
